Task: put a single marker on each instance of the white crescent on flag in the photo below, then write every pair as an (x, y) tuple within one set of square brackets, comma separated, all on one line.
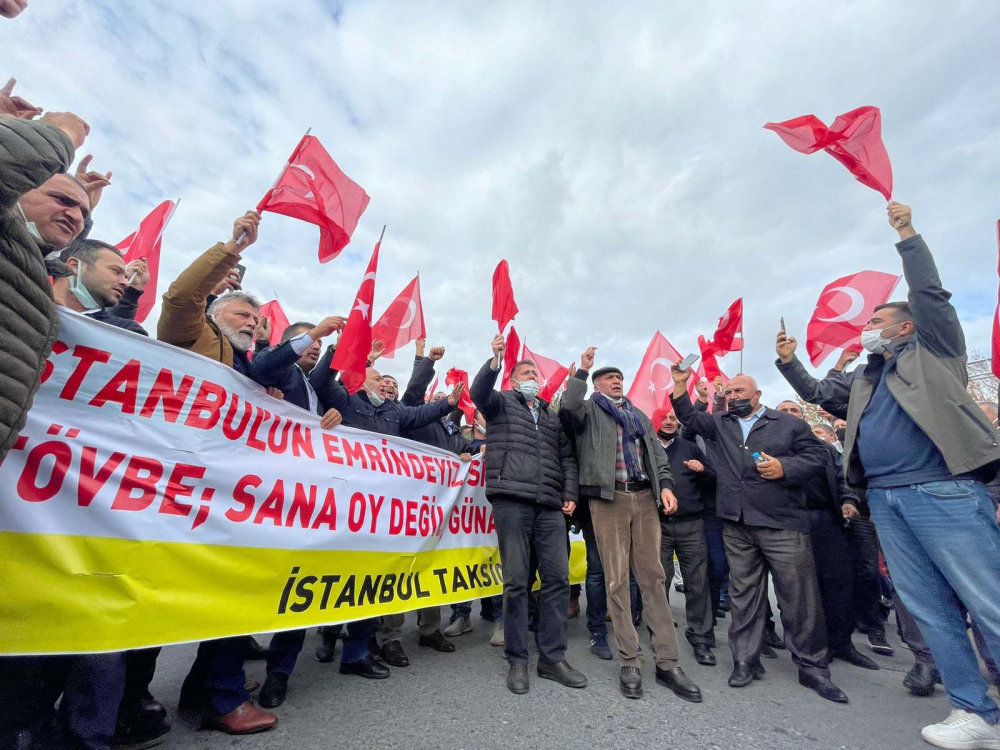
[(857, 305), (304, 169), (662, 362), (411, 310)]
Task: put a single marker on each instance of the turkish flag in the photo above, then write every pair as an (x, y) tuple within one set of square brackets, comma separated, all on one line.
[(854, 139), (279, 321), (843, 309), (552, 374), (351, 356), (730, 326), (403, 320), (455, 376), (995, 354), (504, 307), (653, 382), (145, 243), (709, 366), (312, 188), (511, 355), (431, 391)]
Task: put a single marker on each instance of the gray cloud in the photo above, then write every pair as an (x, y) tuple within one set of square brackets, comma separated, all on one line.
[(617, 161)]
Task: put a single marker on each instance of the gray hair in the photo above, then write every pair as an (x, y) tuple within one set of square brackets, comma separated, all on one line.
[(224, 299)]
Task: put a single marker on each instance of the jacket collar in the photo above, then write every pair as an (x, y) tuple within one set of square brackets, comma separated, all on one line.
[(542, 403)]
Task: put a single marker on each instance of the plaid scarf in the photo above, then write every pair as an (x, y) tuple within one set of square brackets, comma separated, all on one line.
[(632, 430)]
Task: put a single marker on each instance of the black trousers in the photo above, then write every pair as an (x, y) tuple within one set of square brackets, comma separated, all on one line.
[(687, 539), (752, 552), (867, 582), (523, 528), (835, 575)]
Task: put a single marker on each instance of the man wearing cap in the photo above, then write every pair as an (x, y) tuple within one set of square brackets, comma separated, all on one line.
[(625, 475)]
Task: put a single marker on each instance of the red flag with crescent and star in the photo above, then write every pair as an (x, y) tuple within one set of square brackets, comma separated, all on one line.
[(844, 307), (145, 243), (854, 139), (279, 321), (552, 374), (653, 383), (313, 188), (355, 344), (403, 321)]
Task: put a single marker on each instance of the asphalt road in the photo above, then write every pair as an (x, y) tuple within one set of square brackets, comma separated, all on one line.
[(459, 700)]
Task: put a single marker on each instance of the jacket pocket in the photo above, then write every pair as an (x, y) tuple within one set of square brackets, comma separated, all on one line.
[(990, 433)]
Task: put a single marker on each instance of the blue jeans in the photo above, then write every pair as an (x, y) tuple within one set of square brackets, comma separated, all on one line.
[(942, 545), (464, 609), (597, 595), (356, 640), (284, 651)]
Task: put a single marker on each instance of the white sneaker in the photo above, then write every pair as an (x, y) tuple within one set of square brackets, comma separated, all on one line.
[(461, 626), (496, 639), (963, 730)]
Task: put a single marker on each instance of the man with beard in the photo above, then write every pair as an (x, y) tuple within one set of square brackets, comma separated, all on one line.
[(95, 282), (217, 682)]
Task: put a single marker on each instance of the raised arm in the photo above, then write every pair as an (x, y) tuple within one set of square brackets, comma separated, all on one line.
[(482, 393), (420, 378), (182, 316), (33, 151), (934, 317), (415, 417), (699, 422), (832, 393)]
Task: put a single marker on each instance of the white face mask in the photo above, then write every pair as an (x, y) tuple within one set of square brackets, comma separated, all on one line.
[(375, 398), (32, 227), (80, 290), (528, 388), (873, 340)]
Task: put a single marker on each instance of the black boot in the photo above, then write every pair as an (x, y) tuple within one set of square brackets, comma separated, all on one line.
[(921, 679), (275, 688)]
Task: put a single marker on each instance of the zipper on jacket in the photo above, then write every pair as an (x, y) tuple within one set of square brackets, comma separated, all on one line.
[(991, 435), (905, 382)]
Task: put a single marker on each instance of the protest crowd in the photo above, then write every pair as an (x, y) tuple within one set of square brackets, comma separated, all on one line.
[(882, 508)]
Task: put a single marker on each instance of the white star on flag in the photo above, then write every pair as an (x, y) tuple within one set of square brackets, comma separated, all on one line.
[(362, 307)]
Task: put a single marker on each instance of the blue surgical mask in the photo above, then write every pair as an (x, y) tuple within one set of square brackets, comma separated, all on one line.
[(31, 226), (375, 398), (528, 388), (80, 291)]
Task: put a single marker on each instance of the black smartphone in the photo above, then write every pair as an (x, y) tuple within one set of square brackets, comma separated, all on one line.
[(783, 325), (241, 270)]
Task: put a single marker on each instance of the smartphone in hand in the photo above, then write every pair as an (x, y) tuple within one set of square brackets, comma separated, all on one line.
[(685, 364)]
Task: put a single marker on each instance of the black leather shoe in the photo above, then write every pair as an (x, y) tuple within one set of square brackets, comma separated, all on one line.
[(254, 652), (852, 656), (774, 640), (327, 649), (135, 729), (921, 679), (438, 642), (517, 679), (744, 673), (367, 668), (823, 686), (562, 673), (768, 653), (273, 693), (394, 656), (149, 705), (630, 682), (703, 655), (680, 683)]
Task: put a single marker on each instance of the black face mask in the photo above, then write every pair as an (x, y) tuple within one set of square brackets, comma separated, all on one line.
[(741, 407), (841, 434), (665, 435)]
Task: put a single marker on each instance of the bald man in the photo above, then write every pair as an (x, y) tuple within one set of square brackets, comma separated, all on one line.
[(762, 504)]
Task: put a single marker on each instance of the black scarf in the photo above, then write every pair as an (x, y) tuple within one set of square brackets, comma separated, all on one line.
[(632, 430)]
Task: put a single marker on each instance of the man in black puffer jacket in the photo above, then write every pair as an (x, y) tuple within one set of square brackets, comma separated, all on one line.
[(531, 480)]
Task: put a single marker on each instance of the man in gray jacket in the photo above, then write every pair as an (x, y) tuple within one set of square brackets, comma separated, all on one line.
[(625, 476), (922, 448)]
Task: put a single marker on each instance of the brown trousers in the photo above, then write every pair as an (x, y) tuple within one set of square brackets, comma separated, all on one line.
[(628, 536)]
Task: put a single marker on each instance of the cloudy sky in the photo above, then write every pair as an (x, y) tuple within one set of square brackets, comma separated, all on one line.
[(616, 160)]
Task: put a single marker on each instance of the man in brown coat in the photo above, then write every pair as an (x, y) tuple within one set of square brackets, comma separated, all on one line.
[(225, 332)]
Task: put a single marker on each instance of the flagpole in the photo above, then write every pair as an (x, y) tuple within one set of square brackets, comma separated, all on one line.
[(743, 343), (239, 240)]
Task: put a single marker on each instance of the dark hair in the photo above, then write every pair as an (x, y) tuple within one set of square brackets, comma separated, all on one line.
[(522, 362), (901, 310), (86, 251), (827, 429), (295, 329)]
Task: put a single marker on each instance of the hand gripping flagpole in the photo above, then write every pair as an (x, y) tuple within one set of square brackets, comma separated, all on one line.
[(243, 235)]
